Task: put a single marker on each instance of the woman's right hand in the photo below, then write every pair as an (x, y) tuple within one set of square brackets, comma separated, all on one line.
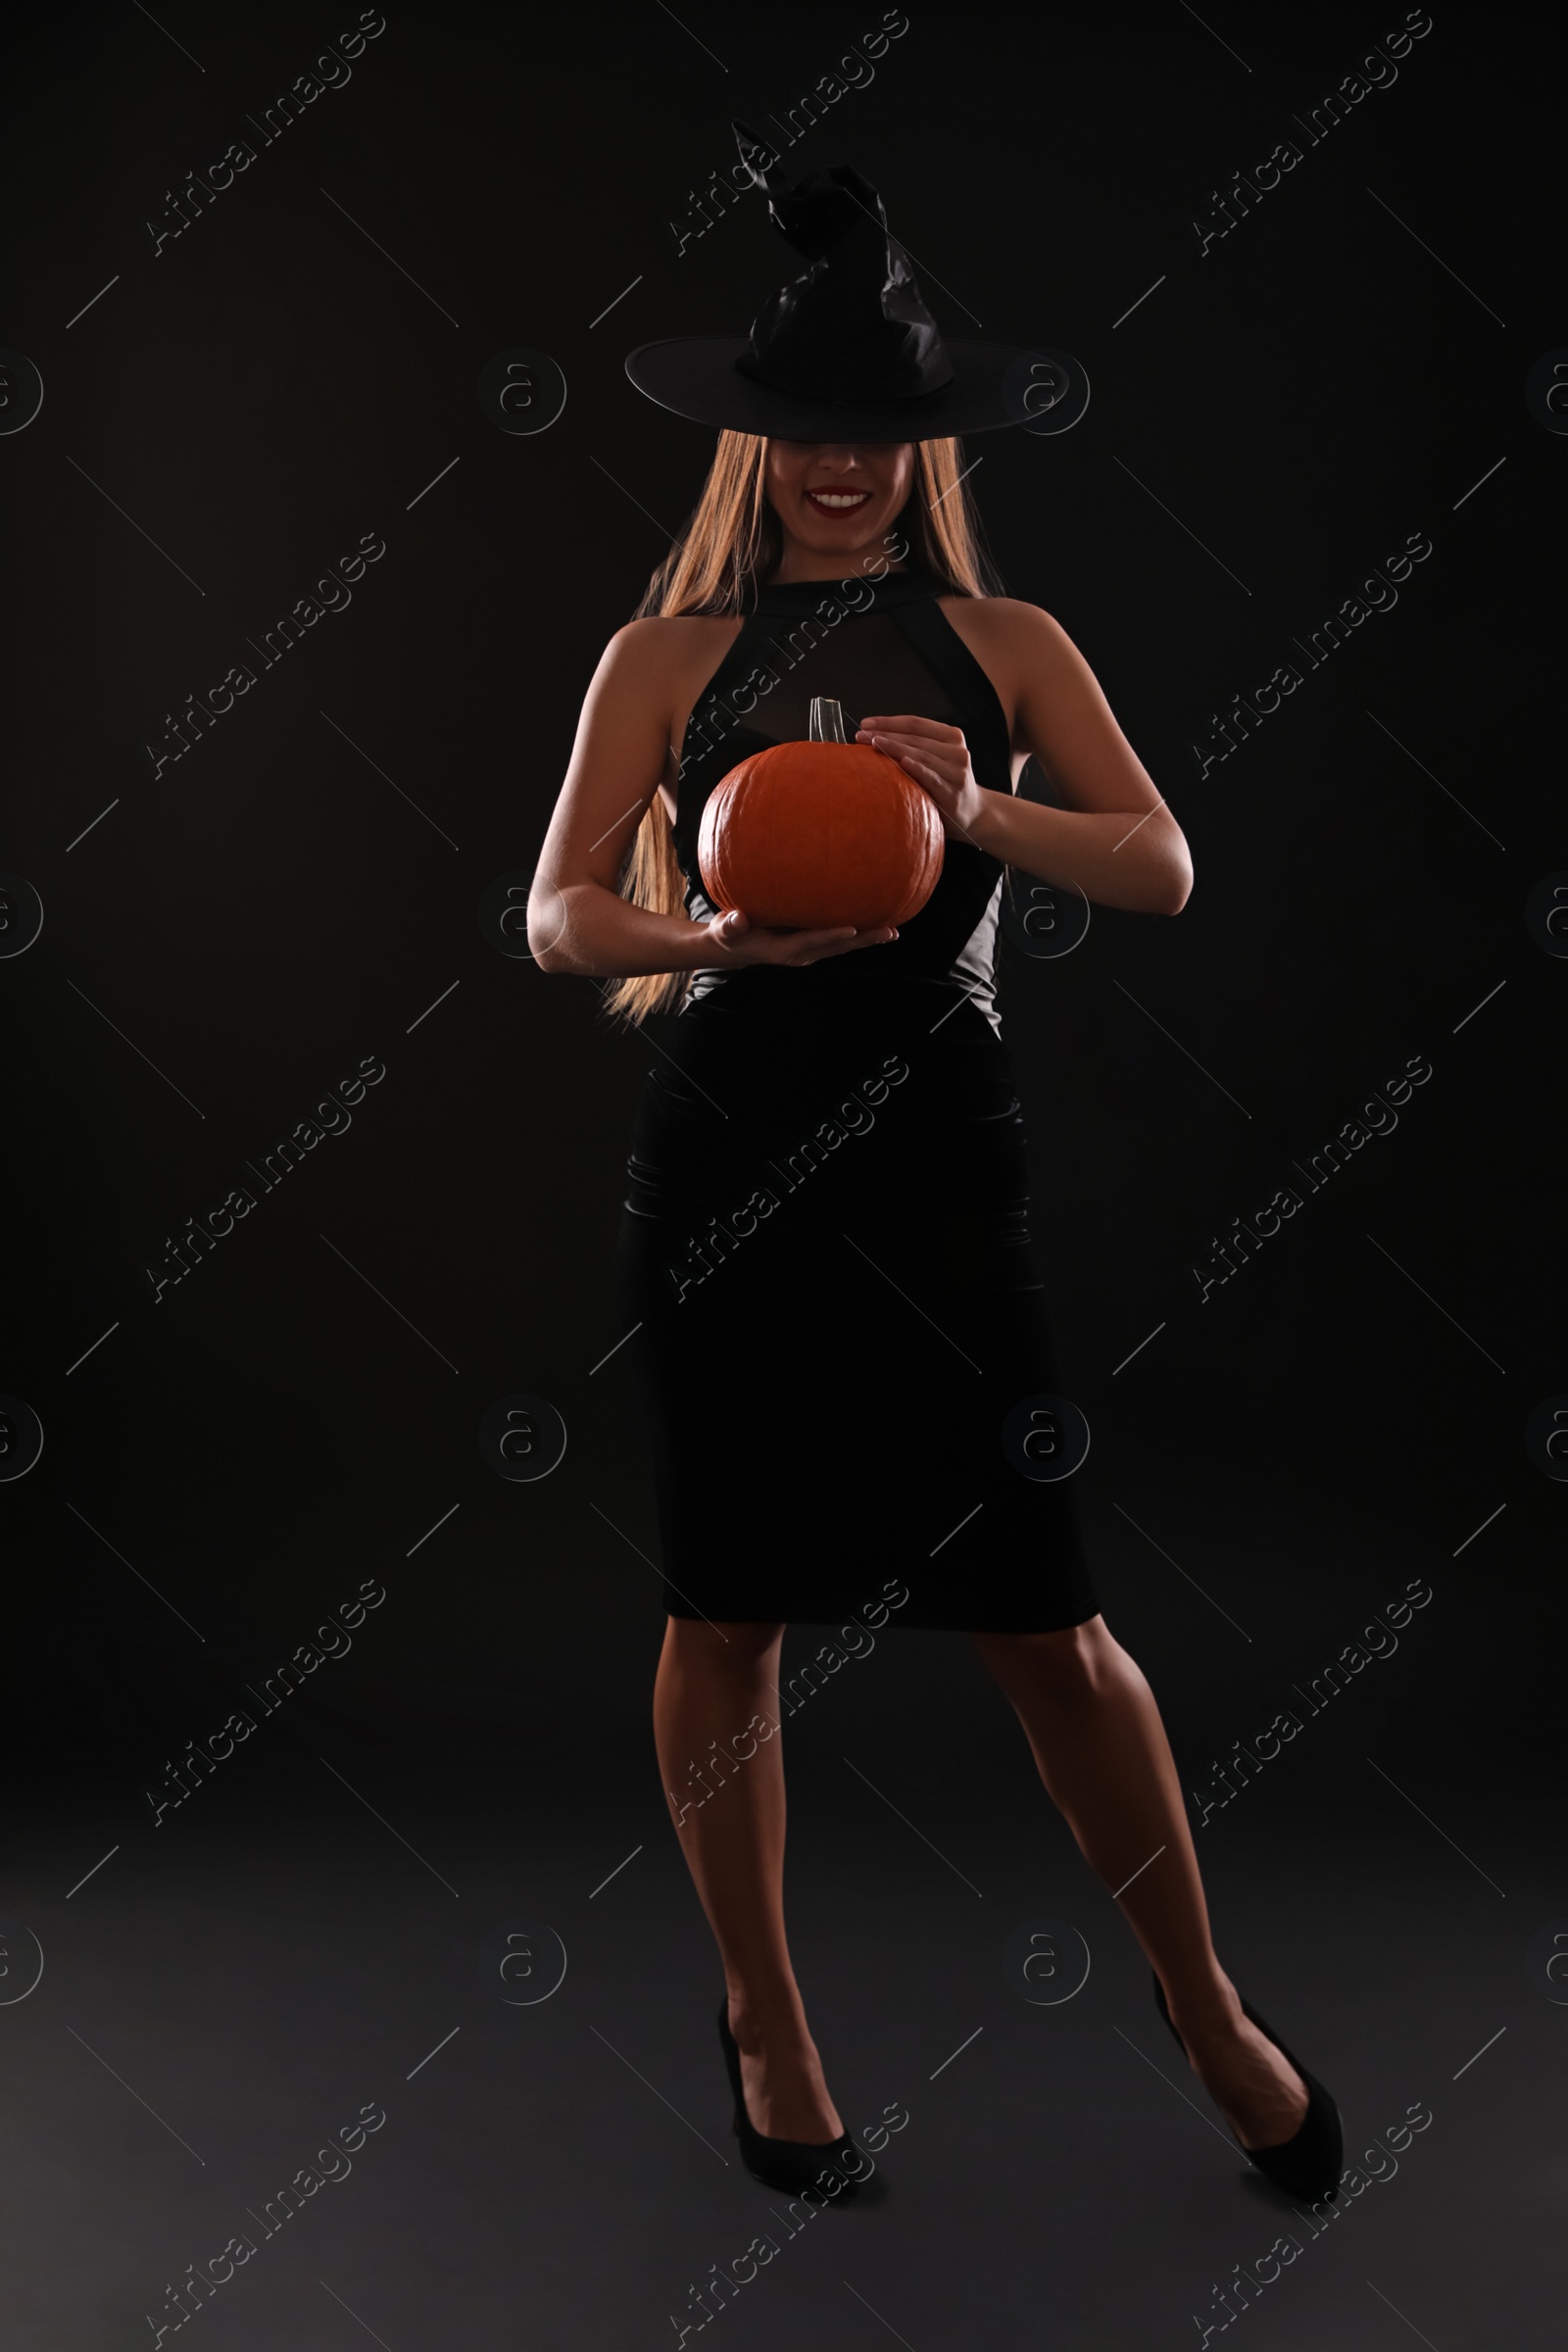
[(739, 941)]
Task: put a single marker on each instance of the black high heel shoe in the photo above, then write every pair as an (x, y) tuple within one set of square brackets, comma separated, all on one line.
[(785, 2164), (1309, 2164)]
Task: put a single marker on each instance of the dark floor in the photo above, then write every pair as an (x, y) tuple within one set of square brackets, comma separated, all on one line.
[(273, 1961)]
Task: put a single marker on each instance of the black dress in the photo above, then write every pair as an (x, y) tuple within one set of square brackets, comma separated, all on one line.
[(826, 1241)]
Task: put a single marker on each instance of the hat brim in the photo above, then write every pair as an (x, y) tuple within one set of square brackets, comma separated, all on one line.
[(993, 384)]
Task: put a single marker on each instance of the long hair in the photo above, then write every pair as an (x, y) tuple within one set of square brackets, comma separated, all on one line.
[(733, 541)]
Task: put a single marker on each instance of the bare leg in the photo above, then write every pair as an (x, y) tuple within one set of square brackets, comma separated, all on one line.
[(1104, 1756), (712, 1683)]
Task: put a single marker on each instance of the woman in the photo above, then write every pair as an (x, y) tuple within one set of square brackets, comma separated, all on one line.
[(825, 1250)]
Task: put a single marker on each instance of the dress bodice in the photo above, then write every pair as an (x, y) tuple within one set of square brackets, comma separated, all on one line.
[(877, 647)]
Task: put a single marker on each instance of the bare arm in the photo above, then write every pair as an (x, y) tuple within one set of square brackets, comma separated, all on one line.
[(577, 920), (1117, 843)]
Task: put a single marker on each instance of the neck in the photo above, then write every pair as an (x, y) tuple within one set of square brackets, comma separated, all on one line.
[(801, 563)]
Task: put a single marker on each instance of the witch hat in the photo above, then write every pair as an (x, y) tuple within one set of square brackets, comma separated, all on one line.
[(849, 351)]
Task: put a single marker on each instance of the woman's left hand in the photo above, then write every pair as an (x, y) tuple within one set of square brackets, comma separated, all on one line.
[(938, 759)]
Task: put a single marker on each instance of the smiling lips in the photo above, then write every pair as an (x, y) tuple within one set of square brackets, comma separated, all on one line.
[(838, 501)]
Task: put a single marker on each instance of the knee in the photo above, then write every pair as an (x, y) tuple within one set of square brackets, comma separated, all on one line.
[(739, 1645), (1078, 1666)]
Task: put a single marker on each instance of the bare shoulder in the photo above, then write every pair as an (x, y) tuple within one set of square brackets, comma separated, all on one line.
[(1005, 626), (654, 644), (1023, 648), (668, 661)]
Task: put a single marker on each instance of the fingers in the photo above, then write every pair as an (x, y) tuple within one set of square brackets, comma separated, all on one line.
[(940, 770), (812, 947), (918, 754), (904, 748), (841, 942), (935, 730), (764, 946)]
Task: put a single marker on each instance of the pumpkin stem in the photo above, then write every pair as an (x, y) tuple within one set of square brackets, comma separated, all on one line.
[(826, 725)]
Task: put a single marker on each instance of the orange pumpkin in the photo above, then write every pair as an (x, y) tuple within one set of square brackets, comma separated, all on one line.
[(808, 836)]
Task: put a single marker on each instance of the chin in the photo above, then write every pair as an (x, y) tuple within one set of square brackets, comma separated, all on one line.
[(829, 534)]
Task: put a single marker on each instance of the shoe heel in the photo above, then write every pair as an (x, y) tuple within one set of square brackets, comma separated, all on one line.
[(790, 2165), (1307, 2164)]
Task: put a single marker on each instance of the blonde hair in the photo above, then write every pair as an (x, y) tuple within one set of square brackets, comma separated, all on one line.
[(732, 543)]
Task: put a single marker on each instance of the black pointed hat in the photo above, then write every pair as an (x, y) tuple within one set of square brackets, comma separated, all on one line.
[(848, 350)]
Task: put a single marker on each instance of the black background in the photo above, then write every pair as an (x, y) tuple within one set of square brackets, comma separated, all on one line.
[(238, 931)]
